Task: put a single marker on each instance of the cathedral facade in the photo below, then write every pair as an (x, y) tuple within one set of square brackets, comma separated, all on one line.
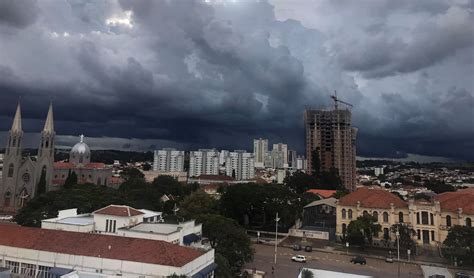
[(25, 177)]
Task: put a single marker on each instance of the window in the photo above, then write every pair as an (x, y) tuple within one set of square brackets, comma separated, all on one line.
[(431, 219), (417, 218), (424, 218), (43, 272), (400, 217), (11, 169), (344, 228), (468, 222), (110, 225), (13, 266), (385, 217), (432, 235), (386, 233), (28, 270), (343, 212), (376, 216), (365, 213), (418, 234), (448, 220), (349, 212)]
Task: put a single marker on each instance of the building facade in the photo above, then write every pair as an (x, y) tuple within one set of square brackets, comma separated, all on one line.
[(240, 165), (260, 150), (331, 135), (283, 149), (21, 175), (168, 160), (203, 162), (431, 220)]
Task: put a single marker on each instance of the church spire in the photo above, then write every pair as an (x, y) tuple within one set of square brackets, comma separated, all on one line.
[(49, 124), (16, 126)]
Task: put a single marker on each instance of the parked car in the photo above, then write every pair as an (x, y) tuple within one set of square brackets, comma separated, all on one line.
[(308, 248), (299, 258), (389, 259), (463, 275), (296, 247), (359, 260)]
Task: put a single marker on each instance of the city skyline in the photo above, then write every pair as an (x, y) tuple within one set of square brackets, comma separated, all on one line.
[(219, 74)]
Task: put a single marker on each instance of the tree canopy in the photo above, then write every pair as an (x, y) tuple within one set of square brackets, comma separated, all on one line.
[(362, 229), (197, 203), (459, 244)]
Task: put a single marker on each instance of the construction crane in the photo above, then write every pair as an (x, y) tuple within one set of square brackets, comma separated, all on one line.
[(336, 100)]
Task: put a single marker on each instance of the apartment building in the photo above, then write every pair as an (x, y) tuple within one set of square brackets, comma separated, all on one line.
[(430, 219), (260, 150), (240, 165), (168, 160), (330, 133), (283, 149), (204, 162)]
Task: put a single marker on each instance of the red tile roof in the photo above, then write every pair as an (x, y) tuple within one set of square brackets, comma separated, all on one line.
[(372, 198), (325, 193), (215, 177), (95, 245), (69, 165), (63, 165), (118, 211), (451, 201)]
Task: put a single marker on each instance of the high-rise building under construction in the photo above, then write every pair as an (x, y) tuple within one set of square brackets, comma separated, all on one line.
[(331, 134)]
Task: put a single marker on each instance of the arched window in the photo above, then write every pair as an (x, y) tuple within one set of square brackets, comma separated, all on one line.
[(343, 212), (385, 217), (349, 213), (99, 181), (468, 222), (47, 144), (400, 217), (365, 213), (376, 216), (344, 228), (14, 142), (11, 169), (448, 220)]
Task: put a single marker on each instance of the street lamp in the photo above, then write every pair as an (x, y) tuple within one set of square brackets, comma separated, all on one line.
[(398, 250), (276, 236)]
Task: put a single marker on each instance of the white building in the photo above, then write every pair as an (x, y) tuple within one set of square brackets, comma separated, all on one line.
[(260, 150), (301, 163), (168, 160), (36, 252), (275, 160), (283, 149), (203, 162), (378, 171), (240, 165), (222, 156), (127, 222), (292, 159)]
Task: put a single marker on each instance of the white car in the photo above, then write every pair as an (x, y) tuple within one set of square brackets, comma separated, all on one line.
[(299, 258)]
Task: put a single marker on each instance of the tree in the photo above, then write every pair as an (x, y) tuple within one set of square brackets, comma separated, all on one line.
[(223, 269), (71, 179), (459, 244), (406, 236), (197, 203), (228, 239), (363, 228), (306, 273), (300, 182), (169, 185), (439, 187), (147, 166), (340, 193), (41, 187), (132, 173)]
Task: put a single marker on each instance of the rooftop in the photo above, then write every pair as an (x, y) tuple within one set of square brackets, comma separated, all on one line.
[(95, 245), (325, 193), (372, 198), (451, 201), (117, 210)]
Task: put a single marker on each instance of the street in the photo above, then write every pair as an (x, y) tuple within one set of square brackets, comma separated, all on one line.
[(285, 268)]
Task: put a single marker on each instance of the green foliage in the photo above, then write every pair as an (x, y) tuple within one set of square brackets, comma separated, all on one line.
[(439, 187), (227, 238), (361, 229), (132, 174), (406, 236), (199, 202), (170, 185), (300, 182), (223, 269), (307, 274), (147, 166), (85, 197), (340, 193), (459, 244), (255, 205), (41, 187), (71, 179)]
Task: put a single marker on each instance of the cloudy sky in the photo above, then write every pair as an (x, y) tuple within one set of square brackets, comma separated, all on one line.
[(145, 74)]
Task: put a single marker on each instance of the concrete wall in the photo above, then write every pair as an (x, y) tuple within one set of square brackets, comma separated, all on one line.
[(51, 225), (309, 234)]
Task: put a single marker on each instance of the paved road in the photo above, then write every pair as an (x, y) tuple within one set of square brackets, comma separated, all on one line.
[(285, 268)]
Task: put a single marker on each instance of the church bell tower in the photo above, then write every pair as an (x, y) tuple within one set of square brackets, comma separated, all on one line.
[(45, 161)]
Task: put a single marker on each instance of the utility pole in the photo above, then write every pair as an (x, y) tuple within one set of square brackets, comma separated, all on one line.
[(398, 250), (276, 236)]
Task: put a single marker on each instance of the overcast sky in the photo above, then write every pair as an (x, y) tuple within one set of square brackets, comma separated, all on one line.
[(146, 74)]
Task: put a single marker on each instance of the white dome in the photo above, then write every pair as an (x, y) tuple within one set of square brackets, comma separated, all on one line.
[(80, 148)]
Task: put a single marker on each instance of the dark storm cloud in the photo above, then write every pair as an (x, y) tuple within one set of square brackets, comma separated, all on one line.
[(18, 13), (192, 74)]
